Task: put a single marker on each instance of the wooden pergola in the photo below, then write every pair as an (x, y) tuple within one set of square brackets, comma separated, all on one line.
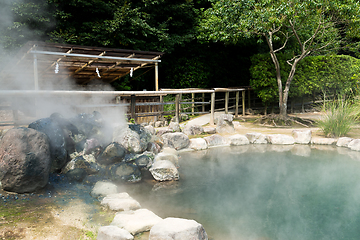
[(64, 63)]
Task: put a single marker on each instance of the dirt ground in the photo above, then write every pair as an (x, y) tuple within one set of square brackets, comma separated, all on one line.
[(39, 216)]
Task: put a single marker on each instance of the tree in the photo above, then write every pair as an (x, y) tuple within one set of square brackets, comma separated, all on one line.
[(313, 26), (155, 25)]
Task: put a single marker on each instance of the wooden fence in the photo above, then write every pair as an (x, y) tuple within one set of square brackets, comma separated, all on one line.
[(145, 105)]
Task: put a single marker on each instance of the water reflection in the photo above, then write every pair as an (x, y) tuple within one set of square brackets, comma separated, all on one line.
[(277, 193)]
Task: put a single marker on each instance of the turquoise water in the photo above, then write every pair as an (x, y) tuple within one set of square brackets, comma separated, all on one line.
[(250, 193)]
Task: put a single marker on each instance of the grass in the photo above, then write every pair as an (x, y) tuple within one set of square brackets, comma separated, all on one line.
[(340, 117)]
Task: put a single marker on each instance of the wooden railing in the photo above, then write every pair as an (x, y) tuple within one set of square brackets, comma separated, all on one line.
[(198, 105)]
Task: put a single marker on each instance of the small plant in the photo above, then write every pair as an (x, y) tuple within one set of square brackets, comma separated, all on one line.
[(339, 118)]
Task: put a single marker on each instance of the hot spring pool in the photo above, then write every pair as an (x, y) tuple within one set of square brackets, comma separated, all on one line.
[(249, 192)]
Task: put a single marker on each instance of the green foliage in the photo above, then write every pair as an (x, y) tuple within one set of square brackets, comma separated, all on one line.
[(339, 118), (315, 75), (313, 26), (147, 25), (24, 20), (332, 75), (263, 78)]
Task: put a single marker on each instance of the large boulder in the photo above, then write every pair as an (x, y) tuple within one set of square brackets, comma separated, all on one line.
[(238, 140), (179, 229), (24, 160), (224, 123), (138, 221), (168, 154), (302, 136), (176, 140), (344, 141), (193, 129), (257, 138), (125, 171), (216, 140), (120, 202), (198, 144), (81, 162), (281, 139), (112, 153), (113, 233), (323, 141), (174, 127), (134, 138), (164, 170), (354, 145), (142, 161), (57, 141)]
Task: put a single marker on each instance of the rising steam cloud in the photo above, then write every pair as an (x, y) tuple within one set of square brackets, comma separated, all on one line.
[(17, 76)]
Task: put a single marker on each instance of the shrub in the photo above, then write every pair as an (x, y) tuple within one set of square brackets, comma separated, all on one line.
[(339, 118)]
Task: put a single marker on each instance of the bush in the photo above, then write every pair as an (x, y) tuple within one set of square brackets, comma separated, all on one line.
[(315, 75), (339, 118)]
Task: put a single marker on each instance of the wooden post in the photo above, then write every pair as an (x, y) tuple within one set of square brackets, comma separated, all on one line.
[(227, 102), (180, 99), (177, 108), (203, 100), (192, 103), (237, 104), (132, 107), (160, 109), (212, 113), (243, 103), (156, 77)]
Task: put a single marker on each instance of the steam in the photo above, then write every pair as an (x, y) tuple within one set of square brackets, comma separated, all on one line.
[(19, 75)]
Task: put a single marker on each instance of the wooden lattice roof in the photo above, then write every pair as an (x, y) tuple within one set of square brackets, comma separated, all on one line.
[(83, 64)]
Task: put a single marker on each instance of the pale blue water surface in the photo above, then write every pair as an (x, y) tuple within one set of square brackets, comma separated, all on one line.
[(263, 192)]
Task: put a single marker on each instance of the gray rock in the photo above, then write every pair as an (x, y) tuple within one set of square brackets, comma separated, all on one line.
[(224, 123), (24, 160), (174, 127), (102, 189), (281, 139), (164, 170), (354, 145), (179, 229), (256, 138), (151, 129), (323, 141), (80, 162), (125, 172), (198, 144), (168, 155), (113, 233), (176, 140), (120, 202), (302, 136), (142, 161), (159, 124), (209, 130), (344, 141), (57, 141), (238, 139), (193, 129), (137, 221), (112, 153), (129, 139), (216, 140)]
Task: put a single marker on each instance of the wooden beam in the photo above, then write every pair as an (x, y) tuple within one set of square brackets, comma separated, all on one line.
[(142, 65), (88, 63)]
